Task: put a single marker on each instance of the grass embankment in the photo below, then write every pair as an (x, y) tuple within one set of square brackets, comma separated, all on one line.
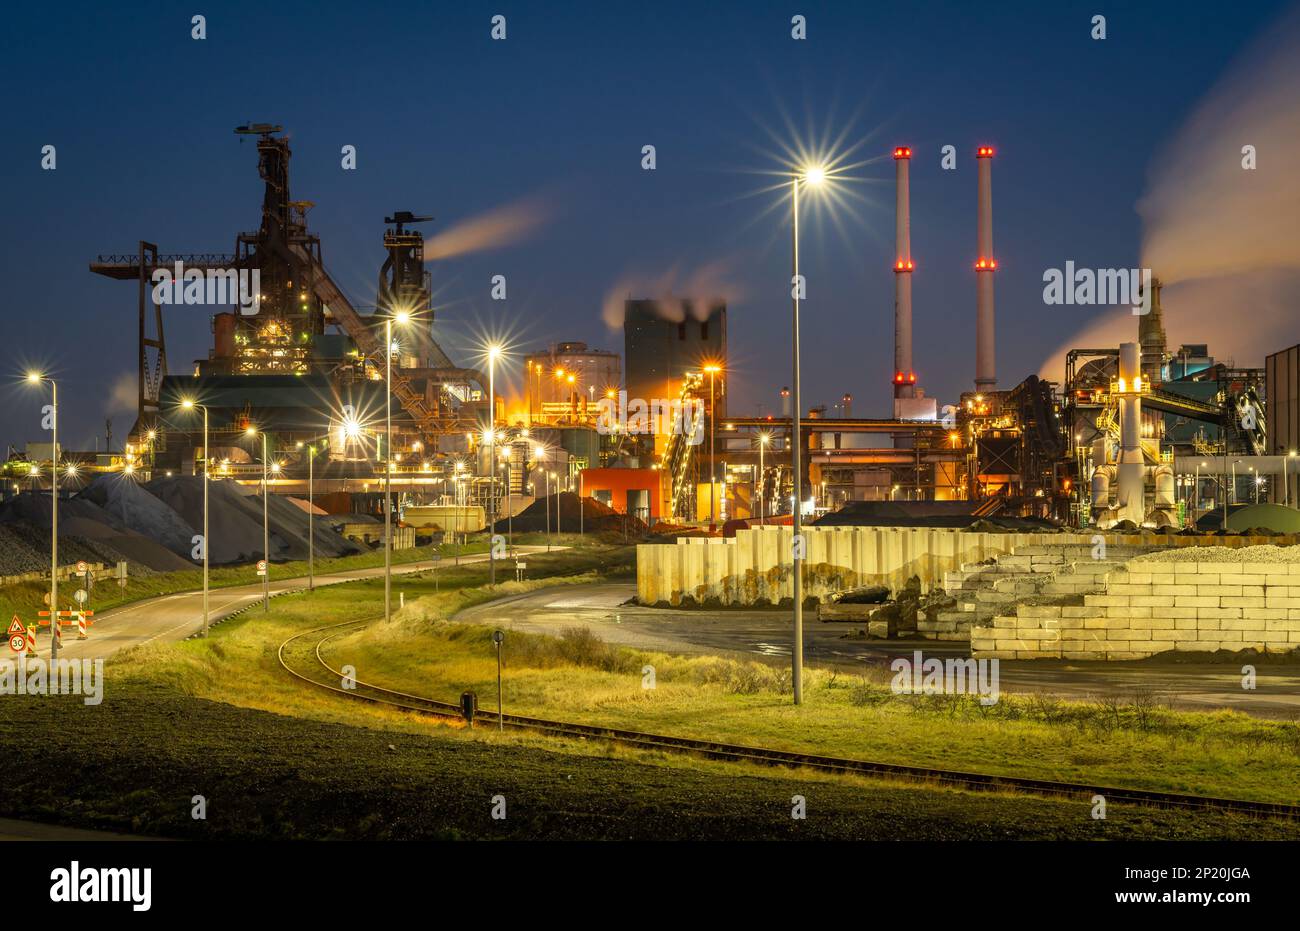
[(25, 598), (1131, 743), (191, 718)]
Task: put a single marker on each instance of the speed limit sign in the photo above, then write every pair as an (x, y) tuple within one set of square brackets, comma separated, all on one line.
[(18, 643), (261, 567)]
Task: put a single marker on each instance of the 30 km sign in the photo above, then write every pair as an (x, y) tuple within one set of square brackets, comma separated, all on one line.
[(261, 567), (18, 643)]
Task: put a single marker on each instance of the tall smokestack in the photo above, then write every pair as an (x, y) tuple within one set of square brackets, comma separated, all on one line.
[(1132, 466), (985, 364), (904, 377)]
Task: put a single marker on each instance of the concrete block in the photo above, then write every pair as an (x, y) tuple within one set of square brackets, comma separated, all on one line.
[(1229, 602), (1106, 601)]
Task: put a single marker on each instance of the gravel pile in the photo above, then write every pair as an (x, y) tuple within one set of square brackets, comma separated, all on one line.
[(235, 521), (86, 532), (140, 511), (1267, 553)]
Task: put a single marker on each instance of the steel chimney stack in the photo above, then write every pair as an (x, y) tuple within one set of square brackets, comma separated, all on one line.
[(985, 265), (904, 377)]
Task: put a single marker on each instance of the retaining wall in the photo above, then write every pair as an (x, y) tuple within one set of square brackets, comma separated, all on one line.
[(755, 566)]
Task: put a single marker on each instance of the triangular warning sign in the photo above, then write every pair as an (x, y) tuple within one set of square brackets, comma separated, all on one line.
[(16, 626)]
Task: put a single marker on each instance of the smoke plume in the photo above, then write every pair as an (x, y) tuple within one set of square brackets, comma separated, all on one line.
[(1224, 238), (674, 293), (1205, 215), (500, 227)]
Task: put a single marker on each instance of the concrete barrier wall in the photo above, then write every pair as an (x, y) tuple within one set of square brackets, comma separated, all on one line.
[(1156, 607), (754, 567)]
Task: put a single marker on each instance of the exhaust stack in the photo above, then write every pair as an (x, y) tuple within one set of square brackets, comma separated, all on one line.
[(985, 363), (1129, 504), (904, 377)]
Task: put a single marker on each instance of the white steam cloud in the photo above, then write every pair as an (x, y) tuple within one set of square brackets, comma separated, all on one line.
[(1224, 238)]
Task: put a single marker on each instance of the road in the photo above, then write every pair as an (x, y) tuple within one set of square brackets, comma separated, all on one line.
[(175, 617), (604, 608)]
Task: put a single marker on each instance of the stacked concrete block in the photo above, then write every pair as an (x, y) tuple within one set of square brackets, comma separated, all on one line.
[(1155, 607), (1057, 569)]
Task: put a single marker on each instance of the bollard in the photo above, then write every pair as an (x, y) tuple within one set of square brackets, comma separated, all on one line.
[(468, 707)]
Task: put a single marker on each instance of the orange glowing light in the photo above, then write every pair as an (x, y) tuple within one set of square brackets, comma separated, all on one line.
[(902, 152), (985, 151), (903, 266)]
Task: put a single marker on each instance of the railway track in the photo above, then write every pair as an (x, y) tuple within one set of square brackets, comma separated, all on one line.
[(320, 674)]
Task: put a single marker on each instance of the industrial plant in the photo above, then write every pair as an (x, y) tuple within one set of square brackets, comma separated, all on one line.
[(642, 422)]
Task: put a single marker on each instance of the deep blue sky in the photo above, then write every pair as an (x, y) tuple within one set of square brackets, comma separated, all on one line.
[(448, 122)]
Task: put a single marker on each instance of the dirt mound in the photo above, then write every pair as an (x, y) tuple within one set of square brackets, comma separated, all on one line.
[(235, 521), (140, 511), (595, 517), (86, 532)]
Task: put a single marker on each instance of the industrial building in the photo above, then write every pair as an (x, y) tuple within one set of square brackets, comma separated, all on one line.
[(1130, 433)]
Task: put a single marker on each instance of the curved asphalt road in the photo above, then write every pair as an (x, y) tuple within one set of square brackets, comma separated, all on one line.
[(603, 608), (175, 617)]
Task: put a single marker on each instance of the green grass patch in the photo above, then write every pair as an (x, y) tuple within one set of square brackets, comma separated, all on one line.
[(277, 758), (1132, 743), (26, 598)]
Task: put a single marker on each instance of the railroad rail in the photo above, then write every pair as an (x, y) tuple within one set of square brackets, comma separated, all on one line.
[(709, 749)]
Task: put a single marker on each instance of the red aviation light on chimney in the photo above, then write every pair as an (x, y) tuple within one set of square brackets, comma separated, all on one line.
[(903, 266), (905, 378), (986, 265), (984, 151), (902, 152)]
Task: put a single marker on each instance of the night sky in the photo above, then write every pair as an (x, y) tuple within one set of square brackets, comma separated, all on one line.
[(450, 123)]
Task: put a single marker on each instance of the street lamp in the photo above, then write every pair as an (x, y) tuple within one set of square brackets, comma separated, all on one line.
[(266, 526), (35, 378), (538, 455), (189, 405), (493, 351), (311, 517), (712, 369), (813, 175), (402, 318)]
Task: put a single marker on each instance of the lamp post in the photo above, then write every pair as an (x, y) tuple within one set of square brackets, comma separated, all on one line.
[(538, 454), (266, 531), (558, 496), (812, 176), (311, 519), (190, 405), (401, 317), (493, 352), (36, 378)]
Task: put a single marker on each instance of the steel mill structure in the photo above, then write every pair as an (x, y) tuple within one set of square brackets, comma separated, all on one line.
[(1132, 434)]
